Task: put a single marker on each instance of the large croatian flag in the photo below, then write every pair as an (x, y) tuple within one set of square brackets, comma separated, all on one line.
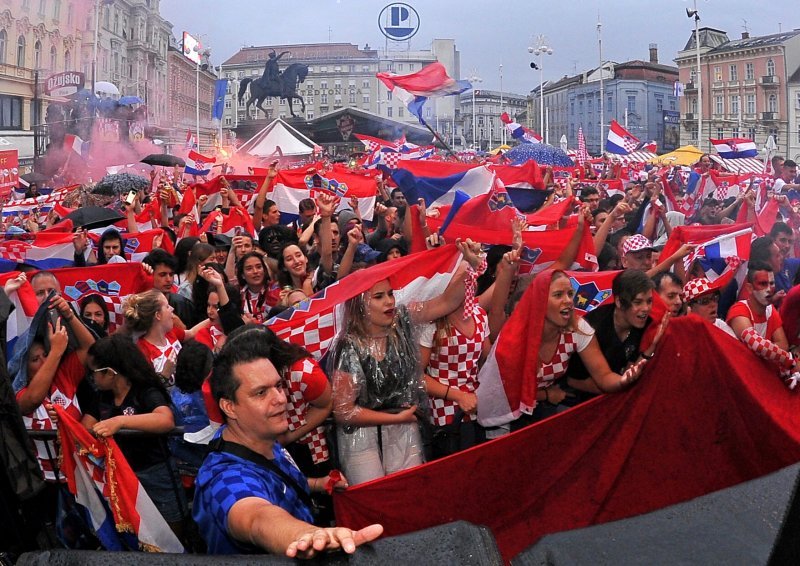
[(44, 250), (620, 140), (292, 186), (415, 88), (438, 191), (198, 164), (734, 148), (109, 493), (315, 323)]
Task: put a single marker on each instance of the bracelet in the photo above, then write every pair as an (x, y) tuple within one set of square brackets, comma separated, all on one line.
[(646, 357), (446, 393)]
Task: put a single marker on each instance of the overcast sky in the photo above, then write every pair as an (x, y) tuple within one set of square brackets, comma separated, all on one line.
[(487, 34)]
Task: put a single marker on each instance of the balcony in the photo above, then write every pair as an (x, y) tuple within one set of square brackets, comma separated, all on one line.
[(769, 81), (750, 82), (717, 85), (690, 87), (689, 116), (769, 116), (733, 84)]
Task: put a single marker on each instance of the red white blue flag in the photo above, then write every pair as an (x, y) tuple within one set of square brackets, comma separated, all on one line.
[(292, 186), (198, 164), (620, 140), (734, 148)]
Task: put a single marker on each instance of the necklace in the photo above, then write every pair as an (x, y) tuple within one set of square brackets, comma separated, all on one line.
[(624, 336)]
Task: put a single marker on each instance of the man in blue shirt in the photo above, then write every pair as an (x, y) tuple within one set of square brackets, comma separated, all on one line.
[(249, 495)]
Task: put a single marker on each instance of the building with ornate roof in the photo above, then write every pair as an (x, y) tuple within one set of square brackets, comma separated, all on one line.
[(745, 88)]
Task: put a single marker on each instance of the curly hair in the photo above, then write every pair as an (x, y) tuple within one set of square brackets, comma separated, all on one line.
[(140, 310)]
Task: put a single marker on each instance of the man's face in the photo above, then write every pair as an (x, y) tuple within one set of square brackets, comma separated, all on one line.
[(784, 241), (670, 293), (636, 315), (709, 213), (643, 259), (163, 277), (111, 248), (706, 307), (788, 174), (271, 217), (593, 201), (763, 286), (259, 405), (399, 200), (306, 216), (42, 286)]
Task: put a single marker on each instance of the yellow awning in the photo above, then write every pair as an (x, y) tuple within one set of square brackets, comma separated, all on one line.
[(686, 155)]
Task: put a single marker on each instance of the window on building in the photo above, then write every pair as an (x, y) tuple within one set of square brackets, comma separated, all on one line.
[(631, 103), (774, 132), (3, 44), (389, 111), (42, 7), (227, 103), (351, 68), (241, 74), (770, 68), (351, 98), (337, 69), (67, 60), (323, 69), (750, 104), (571, 108), (672, 104), (717, 74), (659, 103), (733, 73), (323, 83), (365, 83), (323, 98), (692, 75), (751, 133), (309, 100), (719, 105), (228, 121), (735, 132), (749, 72), (53, 59), (337, 100), (401, 112), (772, 103), (310, 115), (735, 104), (693, 106), (365, 99), (798, 134), (37, 55), (10, 112), (70, 14), (388, 95), (337, 83), (720, 133), (365, 68), (351, 82), (796, 101)]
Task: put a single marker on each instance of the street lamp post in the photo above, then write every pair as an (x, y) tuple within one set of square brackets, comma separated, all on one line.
[(502, 109), (539, 51), (694, 14), (474, 79)]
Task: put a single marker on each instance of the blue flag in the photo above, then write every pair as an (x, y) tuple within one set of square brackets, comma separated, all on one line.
[(220, 88)]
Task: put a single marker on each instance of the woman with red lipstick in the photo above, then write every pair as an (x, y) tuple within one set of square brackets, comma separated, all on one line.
[(376, 377)]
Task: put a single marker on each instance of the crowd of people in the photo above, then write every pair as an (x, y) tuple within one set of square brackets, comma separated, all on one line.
[(401, 384)]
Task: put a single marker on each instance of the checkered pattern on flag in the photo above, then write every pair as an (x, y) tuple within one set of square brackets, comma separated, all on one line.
[(314, 324), (118, 507)]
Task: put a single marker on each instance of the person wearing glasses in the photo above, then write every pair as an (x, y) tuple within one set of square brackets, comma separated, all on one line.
[(131, 396), (702, 299)]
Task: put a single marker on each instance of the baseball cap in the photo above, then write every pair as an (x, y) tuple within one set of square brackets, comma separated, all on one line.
[(696, 288), (637, 243)]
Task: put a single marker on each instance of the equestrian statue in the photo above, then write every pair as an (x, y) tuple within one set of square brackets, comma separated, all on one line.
[(275, 84)]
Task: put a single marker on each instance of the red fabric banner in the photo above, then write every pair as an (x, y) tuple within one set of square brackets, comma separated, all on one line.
[(677, 434)]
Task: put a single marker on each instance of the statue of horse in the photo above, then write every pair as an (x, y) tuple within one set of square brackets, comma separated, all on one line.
[(284, 86)]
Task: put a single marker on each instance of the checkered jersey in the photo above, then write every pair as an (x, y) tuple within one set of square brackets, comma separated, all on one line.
[(255, 304), (569, 343), (296, 380), (454, 362)]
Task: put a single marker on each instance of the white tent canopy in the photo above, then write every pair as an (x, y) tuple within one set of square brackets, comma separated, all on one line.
[(278, 138)]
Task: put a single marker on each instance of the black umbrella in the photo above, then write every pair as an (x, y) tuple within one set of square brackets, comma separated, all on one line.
[(94, 217), (35, 178), (164, 160)]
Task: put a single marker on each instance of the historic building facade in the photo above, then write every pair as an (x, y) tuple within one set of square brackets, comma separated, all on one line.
[(745, 87)]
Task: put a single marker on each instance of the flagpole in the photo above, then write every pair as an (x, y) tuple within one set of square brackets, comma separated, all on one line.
[(602, 91), (96, 33), (439, 139)]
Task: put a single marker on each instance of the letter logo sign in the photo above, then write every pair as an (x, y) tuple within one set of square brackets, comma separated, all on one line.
[(398, 21)]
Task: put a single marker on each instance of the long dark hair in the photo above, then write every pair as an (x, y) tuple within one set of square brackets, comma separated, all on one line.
[(240, 269), (100, 302), (110, 234), (121, 354), (284, 278)]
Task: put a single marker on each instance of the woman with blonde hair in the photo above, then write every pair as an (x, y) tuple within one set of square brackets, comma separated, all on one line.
[(150, 318)]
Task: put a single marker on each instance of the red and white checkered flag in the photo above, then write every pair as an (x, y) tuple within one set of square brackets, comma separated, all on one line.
[(583, 155)]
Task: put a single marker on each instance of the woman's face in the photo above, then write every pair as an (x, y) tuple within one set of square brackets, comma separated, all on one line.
[(36, 359), (560, 303), (380, 305), (103, 380), (253, 272), (164, 314), (295, 298), (93, 312), (212, 307), (394, 253), (295, 261)]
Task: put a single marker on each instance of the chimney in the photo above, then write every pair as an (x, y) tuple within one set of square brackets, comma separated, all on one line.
[(654, 53), (745, 35)]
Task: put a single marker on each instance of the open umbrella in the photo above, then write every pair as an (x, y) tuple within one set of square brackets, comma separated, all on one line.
[(541, 153), (164, 160), (129, 100), (120, 184), (35, 178), (94, 217)]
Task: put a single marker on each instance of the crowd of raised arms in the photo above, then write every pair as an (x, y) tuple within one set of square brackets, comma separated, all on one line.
[(268, 430)]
